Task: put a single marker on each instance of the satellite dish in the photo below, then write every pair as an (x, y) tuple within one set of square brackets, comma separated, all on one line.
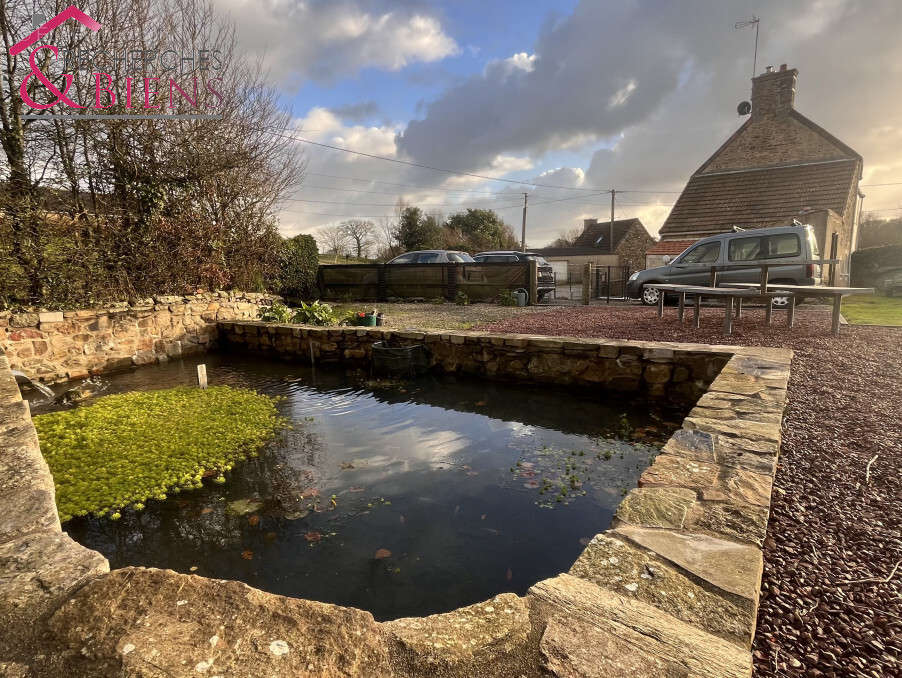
[(744, 108)]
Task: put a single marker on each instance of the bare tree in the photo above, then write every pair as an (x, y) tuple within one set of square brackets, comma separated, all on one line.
[(566, 238), (361, 233), (334, 240), (131, 207)]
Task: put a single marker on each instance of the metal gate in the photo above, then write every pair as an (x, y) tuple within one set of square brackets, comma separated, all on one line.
[(608, 282)]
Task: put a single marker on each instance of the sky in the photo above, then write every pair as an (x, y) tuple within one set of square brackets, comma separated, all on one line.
[(562, 100)]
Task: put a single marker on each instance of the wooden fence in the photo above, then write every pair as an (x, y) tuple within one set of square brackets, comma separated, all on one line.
[(480, 282)]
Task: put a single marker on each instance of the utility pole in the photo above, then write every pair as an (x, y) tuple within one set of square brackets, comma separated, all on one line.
[(611, 228), (523, 235)]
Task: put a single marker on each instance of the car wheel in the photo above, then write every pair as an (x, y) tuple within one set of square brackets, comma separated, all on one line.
[(780, 302), (650, 296)]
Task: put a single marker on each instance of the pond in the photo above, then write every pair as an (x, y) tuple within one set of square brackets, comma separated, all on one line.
[(404, 498)]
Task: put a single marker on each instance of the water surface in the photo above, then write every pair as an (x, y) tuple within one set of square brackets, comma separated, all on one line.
[(401, 498)]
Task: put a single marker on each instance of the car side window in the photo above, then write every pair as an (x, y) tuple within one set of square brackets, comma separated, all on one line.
[(745, 249), (405, 259), (703, 254), (783, 245), (429, 258)]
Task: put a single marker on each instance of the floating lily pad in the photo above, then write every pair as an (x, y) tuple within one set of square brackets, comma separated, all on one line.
[(241, 507)]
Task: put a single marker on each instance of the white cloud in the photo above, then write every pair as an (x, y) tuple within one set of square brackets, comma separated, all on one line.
[(327, 40), (622, 95)]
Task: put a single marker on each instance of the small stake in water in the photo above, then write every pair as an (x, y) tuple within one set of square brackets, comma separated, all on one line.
[(312, 362), (202, 376)]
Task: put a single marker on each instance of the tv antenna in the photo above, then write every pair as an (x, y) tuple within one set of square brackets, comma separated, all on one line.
[(754, 21)]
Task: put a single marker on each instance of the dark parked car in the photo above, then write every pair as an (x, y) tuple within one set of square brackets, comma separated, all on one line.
[(786, 249), (545, 271), (433, 257)]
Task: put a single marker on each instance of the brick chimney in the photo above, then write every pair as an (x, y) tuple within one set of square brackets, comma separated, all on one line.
[(774, 92), (588, 223)]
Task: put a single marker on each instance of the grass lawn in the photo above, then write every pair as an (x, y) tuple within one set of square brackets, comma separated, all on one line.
[(438, 316), (872, 310)]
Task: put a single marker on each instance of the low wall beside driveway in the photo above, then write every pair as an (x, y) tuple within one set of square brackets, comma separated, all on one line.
[(676, 372)]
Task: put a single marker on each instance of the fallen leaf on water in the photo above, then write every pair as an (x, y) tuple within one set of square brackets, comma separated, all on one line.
[(465, 467), (403, 519), (247, 555), (309, 492), (482, 517), (509, 574), (206, 510), (193, 568), (253, 521), (270, 536), (355, 489), (313, 536), (382, 553), (345, 465), (472, 473), (531, 484)]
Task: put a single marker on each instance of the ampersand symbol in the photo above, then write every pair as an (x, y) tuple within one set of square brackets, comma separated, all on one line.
[(36, 72)]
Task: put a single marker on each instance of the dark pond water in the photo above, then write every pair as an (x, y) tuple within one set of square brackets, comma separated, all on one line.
[(446, 490)]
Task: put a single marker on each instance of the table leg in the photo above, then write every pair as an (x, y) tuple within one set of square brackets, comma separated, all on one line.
[(698, 311), (682, 307), (837, 304), (661, 303), (791, 314), (769, 311), (728, 316), (738, 307)]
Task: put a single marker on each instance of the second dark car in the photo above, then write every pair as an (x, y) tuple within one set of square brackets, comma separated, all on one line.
[(545, 271)]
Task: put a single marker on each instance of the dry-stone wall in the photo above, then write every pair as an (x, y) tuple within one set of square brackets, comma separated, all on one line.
[(60, 345)]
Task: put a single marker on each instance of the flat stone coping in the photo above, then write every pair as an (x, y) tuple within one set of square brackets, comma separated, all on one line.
[(671, 589)]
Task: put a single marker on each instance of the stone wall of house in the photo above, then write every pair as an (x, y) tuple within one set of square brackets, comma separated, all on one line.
[(632, 248), (61, 345), (680, 374)]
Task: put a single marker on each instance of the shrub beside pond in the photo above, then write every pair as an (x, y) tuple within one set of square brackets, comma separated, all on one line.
[(125, 449)]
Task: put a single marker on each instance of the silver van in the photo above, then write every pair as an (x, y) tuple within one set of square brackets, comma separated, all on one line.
[(787, 249)]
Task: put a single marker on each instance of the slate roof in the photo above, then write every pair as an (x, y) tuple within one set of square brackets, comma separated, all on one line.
[(716, 201), (592, 232)]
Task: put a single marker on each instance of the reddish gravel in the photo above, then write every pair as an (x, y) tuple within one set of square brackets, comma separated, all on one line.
[(828, 525)]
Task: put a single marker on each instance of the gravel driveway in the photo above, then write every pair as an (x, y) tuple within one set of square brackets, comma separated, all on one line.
[(831, 602)]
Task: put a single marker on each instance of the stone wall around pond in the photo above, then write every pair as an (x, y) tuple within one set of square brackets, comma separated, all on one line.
[(676, 372), (671, 589), (55, 346)]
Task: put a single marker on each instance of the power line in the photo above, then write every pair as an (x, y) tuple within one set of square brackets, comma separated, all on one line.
[(423, 166)]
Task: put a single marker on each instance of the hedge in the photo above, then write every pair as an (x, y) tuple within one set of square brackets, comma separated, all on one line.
[(868, 264), (299, 262)]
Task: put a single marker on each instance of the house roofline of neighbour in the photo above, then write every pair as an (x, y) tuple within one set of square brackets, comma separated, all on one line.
[(766, 168)]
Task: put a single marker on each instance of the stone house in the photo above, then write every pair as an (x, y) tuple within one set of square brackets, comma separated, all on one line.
[(778, 166), (595, 246)]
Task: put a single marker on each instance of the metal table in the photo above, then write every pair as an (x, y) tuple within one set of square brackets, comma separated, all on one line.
[(795, 291), (733, 297)]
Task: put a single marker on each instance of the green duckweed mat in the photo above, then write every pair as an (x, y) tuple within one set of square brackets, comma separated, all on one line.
[(124, 449)]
